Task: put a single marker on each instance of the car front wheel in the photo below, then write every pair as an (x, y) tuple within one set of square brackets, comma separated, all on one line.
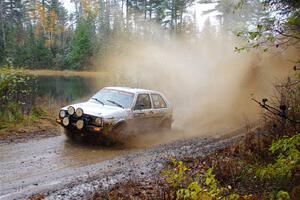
[(74, 135), (120, 132)]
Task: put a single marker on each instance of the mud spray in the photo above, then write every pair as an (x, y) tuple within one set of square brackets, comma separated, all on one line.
[(209, 85)]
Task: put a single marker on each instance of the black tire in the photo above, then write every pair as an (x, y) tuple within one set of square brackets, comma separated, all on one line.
[(74, 135), (69, 134), (120, 133)]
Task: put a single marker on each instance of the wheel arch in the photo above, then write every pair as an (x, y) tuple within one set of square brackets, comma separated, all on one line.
[(119, 123)]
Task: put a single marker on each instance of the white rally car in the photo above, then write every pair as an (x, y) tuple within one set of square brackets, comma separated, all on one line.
[(116, 112)]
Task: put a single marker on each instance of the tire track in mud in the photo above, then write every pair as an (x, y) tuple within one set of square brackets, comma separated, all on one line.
[(54, 171), (141, 165)]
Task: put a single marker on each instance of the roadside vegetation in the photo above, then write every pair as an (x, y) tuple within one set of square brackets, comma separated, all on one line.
[(20, 112), (239, 173), (16, 96)]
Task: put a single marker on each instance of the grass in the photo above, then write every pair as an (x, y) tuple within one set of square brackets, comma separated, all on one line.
[(65, 73), (38, 121), (49, 72)]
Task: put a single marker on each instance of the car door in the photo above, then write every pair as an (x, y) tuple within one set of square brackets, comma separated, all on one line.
[(142, 112), (159, 109)]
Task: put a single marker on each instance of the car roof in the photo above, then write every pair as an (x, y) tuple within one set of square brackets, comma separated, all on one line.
[(132, 90)]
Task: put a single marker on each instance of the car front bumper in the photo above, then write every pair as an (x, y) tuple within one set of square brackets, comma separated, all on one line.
[(86, 128)]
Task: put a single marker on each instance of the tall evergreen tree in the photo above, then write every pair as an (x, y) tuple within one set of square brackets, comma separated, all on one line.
[(82, 47)]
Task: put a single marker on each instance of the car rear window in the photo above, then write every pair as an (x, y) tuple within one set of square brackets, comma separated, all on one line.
[(158, 101), (143, 99)]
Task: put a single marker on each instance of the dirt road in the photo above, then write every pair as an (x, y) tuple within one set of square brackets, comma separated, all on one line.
[(63, 170)]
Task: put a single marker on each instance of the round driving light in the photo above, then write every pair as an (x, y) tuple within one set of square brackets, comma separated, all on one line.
[(71, 110), (62, 114), (98, 121), (79, 124), (79, 112), (66, 121)]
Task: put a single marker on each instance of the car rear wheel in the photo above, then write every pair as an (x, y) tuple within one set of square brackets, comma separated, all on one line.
[(166, 125)]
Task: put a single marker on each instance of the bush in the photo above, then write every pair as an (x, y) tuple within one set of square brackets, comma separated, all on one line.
[(17, 92), (187, 187), (288, 159)]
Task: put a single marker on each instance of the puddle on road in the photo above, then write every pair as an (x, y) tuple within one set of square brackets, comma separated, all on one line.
[(83, 154), (22, 161), (51, 155), (42, 161), (57, 152)]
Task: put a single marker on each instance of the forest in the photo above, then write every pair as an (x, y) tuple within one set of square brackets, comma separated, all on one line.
[(45, 35)]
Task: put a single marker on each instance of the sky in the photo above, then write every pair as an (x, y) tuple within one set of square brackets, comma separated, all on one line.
[(68, 5)]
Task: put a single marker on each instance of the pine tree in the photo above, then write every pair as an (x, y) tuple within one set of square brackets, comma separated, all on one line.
[(82, 46)]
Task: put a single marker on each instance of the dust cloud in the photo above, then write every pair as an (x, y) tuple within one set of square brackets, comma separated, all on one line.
[(209, 85)]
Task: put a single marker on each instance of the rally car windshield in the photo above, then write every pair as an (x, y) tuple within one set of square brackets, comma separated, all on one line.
[(114, 98)]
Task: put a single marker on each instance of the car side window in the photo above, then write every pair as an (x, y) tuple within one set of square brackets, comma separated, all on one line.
[(158, 101), (143, 102)]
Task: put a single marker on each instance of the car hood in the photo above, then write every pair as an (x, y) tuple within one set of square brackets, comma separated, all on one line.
[(97, 109)]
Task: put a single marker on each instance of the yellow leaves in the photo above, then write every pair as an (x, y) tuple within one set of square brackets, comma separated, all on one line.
[(46, 23), (90, 8), (42, 15), (47, 44), (37, 31), (53, 21)]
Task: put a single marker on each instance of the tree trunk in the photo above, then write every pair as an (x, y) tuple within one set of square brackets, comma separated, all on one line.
[(145, 9), (3, 34), (2, 24), (127, 14), (172, 15), (150, 11)]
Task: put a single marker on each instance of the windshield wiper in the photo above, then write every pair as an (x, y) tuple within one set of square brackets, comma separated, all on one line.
[(113, 102), (97, 100)]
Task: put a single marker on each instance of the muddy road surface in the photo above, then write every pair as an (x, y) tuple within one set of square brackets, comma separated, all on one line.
[(60, 169)]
